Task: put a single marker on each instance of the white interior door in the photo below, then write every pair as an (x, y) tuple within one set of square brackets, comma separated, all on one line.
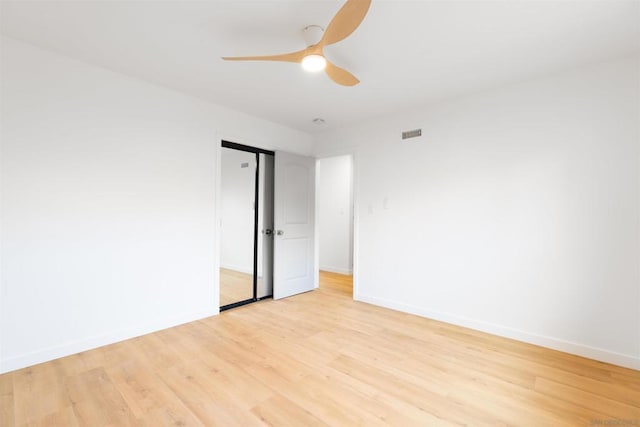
[(294, 210)]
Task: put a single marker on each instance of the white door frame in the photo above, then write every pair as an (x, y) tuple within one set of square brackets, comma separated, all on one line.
[(354, 182)]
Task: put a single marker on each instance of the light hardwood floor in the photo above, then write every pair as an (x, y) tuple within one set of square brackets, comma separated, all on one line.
[(320, 359), (235, 286)]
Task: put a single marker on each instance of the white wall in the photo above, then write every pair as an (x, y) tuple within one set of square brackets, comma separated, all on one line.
[(335, 222), (517, 212), (237, 196), (108, 203)]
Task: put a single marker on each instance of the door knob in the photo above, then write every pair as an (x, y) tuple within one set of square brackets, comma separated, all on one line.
[(279, 232), (268, 232)]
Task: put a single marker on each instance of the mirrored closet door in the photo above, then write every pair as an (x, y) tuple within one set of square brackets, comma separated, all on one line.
[(246, 228)]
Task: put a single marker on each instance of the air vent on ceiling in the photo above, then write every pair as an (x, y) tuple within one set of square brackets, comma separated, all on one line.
[(244, 165), (411, 133)]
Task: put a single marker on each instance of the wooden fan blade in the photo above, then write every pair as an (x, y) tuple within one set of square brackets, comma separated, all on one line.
[(346, 21), (285, 57), (340, 75)]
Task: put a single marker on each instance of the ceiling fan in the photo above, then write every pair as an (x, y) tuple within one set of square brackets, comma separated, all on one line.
[(312, 58)]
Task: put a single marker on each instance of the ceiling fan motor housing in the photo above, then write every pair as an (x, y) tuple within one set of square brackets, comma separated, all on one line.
[(312, 34)]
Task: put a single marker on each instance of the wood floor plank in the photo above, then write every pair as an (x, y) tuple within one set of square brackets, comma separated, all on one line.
[(331, 397), (6, 383), (375, 409), (588, 399), (38, 391), (96, 401), (464, 376), (6, 409), (204, 397), (398, 412), (435, 404), (280, 411), (148, 397), (65, 417), (316, 400), (319, 358), (606, 389), (236, 384)]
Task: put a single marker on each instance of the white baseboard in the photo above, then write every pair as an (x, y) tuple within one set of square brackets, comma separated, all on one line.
[(55, 352), (599, 354), (336, 269)]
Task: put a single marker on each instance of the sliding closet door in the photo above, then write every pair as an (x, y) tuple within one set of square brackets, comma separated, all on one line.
[(237, 228), (265, 227)]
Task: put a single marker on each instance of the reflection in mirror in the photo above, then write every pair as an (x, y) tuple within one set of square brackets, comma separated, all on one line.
[(265, 227), (237, 199)]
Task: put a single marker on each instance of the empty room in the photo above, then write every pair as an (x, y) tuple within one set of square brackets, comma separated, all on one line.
[(319, 212)]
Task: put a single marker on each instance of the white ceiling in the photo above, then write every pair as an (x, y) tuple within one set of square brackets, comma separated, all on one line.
[(406, 53)]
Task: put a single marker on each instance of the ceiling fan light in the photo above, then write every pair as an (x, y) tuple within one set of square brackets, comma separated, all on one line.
[(314, 63)]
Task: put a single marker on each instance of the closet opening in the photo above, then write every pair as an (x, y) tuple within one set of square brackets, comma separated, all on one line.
[(246, 224)]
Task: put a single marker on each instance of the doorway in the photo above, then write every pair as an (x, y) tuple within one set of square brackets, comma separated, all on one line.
[(335, 195), (246, 224)]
